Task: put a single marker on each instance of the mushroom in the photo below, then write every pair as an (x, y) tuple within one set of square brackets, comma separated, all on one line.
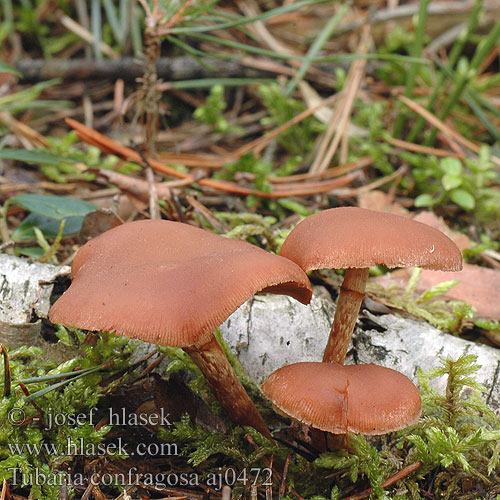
[(361, 399), (355, 239), (171, 283)]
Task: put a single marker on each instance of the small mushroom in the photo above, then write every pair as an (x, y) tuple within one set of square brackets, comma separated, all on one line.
[(360, 399), (355, 239), (172, 284)]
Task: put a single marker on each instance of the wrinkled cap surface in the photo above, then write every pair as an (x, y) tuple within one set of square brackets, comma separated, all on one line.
[(362, 399), (169, 283), (355, 237)]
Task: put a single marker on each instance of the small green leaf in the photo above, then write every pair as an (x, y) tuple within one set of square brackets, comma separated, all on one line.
[(294, 206), (451, 166), (463, 199), (54, 207), (450, 181), (31, 252), (32, 156), (424, 200), (48, 226), (5, 68)]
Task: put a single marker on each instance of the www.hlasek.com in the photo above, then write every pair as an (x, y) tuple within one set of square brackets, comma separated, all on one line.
[(80, 447), (228, 477)]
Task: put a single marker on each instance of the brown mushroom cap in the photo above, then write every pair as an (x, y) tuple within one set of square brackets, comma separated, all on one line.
[(362, 399), (351, 237), (168, 282)]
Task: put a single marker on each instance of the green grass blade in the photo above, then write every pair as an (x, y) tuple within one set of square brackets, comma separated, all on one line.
[(112, 18), (28, 94), (482, 51), (57, 376), (244, 47), (225, 82), (412, 71), (333, 58), (455, 52), (124, 10), (52, 387), (136, 31), (185, 30), (478, 111), (5, 68), (200, 54), (317, 45), (96, 25)]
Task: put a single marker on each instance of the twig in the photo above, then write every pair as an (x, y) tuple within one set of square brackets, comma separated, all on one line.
[(175, 19), (33, 403), (281, 492), (407, 11), (7, 381), (226, 492), (20, 128), (337, 171), (341, 117), (88, 491), (86, 35), (269, 463), (149, 368), (251, 9), (417, 148), (154, 209), (5, 491), (110, 147), (445, 39), (37, 186), (436, 122), (348, 193), (168, 68), (207, 213), (410, 469), (259, 144)]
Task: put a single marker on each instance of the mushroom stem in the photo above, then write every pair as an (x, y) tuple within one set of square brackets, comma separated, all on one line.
[(352, 292), (225, 385)]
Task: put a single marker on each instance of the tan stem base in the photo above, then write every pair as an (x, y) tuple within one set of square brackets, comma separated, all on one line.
[(339, 442), (351, 296), (225, 385)]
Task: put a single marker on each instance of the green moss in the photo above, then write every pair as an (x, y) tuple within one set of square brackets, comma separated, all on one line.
[(456, 440)]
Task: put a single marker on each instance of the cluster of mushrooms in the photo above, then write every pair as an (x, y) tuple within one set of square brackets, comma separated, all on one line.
[(173, 284)]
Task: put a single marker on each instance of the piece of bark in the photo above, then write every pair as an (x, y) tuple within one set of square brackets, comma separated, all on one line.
[(270, 331), (25, 290), (478, 286)]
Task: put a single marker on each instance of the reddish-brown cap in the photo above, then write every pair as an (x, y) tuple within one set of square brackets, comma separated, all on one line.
[(356, 237), (168, 282), (362, 399)]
